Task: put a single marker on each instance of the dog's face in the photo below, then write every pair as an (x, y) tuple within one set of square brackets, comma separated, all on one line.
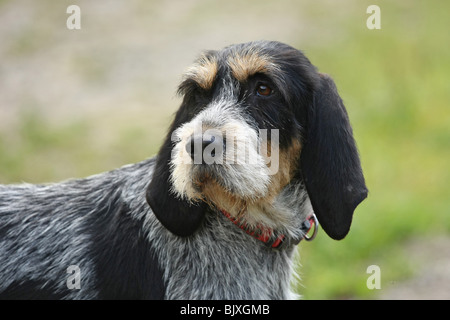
[(257, 125)]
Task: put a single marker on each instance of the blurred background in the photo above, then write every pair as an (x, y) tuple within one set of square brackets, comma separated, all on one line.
[(78, 102)]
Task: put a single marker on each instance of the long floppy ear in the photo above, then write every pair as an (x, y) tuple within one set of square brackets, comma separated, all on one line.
[(330, 162), (177, 215)]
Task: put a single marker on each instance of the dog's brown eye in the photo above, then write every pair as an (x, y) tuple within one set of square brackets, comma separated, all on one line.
[(263, 90)]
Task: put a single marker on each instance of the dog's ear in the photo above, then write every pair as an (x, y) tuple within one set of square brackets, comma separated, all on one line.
[(330, 162), (177, 215)]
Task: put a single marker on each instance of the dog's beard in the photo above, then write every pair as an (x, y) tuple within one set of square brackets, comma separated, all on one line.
[(231, 185), (195, 182), (245, 190)]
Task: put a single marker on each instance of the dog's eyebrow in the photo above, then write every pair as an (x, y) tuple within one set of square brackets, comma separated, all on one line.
[(246, 64), (204, 71)]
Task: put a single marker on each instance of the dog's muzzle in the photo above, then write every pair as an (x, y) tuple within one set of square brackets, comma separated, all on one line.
[(205, 148)]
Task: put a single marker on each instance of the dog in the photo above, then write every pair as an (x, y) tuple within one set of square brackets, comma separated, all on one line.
[(260, 146)]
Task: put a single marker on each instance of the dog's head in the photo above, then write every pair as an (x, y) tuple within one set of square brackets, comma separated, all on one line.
[(257, 125)]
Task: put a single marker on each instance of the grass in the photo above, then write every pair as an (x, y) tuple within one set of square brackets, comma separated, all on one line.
[(394, 82), (40, 151), (397, 98)]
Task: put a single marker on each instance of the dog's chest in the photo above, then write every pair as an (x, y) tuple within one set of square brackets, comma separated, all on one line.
[(222, 262)]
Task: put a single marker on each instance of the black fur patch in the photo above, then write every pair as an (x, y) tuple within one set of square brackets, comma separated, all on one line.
[(126, 266)]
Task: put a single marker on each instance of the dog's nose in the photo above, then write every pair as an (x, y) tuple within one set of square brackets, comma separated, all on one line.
[(196, 146)]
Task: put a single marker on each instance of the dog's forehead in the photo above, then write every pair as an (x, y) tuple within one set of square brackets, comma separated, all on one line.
[(246, 61), (241, 61)]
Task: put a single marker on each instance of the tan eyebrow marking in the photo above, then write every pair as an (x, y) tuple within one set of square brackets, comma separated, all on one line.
[(249, 63), (204, 71)]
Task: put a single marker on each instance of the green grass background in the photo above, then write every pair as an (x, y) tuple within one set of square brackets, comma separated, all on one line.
[(394, 82)]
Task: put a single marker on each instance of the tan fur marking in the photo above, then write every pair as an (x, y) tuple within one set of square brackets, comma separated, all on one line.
[(237, 207), (215, 194), (204, 71), (246, 65), (288, 164), (263, 209)]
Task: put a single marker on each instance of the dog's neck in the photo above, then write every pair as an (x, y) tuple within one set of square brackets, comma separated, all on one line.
[(273, 239), (280, 223)]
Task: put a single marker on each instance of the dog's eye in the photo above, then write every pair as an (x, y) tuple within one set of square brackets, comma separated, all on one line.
[(263, 90)]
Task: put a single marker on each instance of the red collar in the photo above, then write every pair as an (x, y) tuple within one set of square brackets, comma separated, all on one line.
[(271, 238)]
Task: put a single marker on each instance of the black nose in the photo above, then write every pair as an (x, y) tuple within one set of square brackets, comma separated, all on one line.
[(196, 146)]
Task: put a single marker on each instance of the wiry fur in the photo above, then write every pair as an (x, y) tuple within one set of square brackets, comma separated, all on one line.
[(154, 230), (90, 223), (45, 229)]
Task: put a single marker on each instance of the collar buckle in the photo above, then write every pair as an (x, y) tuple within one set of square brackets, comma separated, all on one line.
[(311, 223)]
